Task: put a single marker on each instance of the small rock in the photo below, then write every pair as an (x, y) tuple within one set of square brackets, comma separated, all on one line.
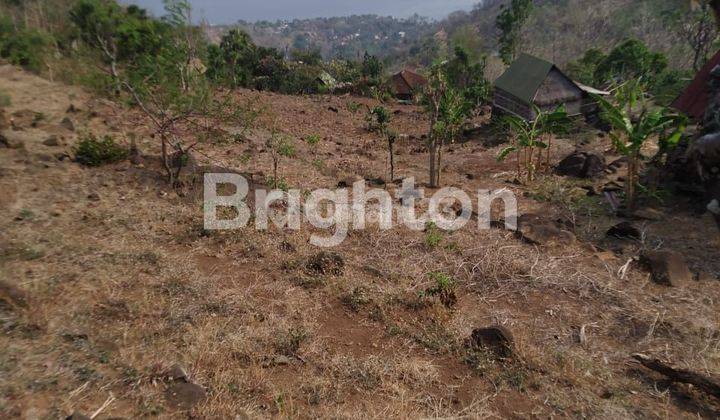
[(333, 109), (177, 373), (72, 109), (10, 142), (67, 124), (350, 181), (497, 339), (93, 196), (624, 230), (704, 276), (44, 157), (77, 416), (184, 395), (648, 214), (537, 230), (52, 141), (4, 123), (582, 165), (279, 360), (667, 268), (326, 263), (12, 295)]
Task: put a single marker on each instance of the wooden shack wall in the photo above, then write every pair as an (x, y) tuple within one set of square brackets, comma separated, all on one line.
[(509, 103), (557, 89)]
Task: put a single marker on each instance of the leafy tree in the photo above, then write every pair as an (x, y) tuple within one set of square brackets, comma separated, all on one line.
[(634, 122), (468, 77), (381, 121), (279, 146), (372, 67), (119, 34), (510, 22), (697, 27), (238, 57), (449, 110), (532, 137), (631, 59), (583, 70)]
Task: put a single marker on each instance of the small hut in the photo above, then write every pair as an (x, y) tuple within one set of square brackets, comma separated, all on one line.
[(693, 101), (532, 81), (405, 84)]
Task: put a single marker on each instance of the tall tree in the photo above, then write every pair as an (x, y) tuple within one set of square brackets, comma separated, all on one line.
[(697, 27), (510, 23)]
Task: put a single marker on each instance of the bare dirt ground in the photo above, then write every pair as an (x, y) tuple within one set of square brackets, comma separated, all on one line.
[(112, 281)]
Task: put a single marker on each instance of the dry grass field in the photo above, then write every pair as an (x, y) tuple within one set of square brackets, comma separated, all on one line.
[(108, 280)]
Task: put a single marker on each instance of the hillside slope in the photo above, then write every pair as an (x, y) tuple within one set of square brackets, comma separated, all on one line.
[(108, 279)]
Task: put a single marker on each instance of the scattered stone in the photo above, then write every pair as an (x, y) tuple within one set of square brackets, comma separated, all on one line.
[(44, 157), (624, 230), (11, 142), (4, 123), (582, 165), (25, 118), (667, 268), (177, 373), (12, 295), (326, 263), (93, 196), (72, 109), (277, 361), (77, 416), (135, 155), (67, 124), (286, 246), (184, 395), (497, 339), (704, 276), (52, 141), (649, 214), (350, 181), (540, 231), (333, 109), (617, 164)]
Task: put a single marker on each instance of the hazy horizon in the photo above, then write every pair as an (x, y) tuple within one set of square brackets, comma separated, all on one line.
[(231, 11)]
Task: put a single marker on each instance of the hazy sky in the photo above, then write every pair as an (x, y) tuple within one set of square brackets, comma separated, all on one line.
[(230, 11)]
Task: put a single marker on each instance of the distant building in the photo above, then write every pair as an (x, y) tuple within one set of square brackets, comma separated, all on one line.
[(693, 101), (406, 84), (532, 81)]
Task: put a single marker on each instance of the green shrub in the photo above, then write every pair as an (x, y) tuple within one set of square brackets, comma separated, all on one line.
[(433, 236), (313, 139), (92, 151)]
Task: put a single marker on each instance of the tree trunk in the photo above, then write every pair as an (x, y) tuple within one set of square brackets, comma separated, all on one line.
[(391, 143), (630, 182), (166, 163), (433, 162), (438, 168)]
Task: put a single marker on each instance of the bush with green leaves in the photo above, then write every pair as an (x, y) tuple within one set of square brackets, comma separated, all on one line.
[(92, 151), (634, 121), (531, 138), (23, 47)]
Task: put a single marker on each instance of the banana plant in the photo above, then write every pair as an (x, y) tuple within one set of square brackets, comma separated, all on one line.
[(633, 123), (532, 137)]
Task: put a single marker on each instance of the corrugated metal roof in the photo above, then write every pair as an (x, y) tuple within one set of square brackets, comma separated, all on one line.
[(590, 89), (523, 78), (694, 99)]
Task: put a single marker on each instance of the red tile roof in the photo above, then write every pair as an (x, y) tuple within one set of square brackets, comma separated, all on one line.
[(694, 100)]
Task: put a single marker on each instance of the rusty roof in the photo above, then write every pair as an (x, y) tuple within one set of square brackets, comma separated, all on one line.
[(694, 99), (407, 82)]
